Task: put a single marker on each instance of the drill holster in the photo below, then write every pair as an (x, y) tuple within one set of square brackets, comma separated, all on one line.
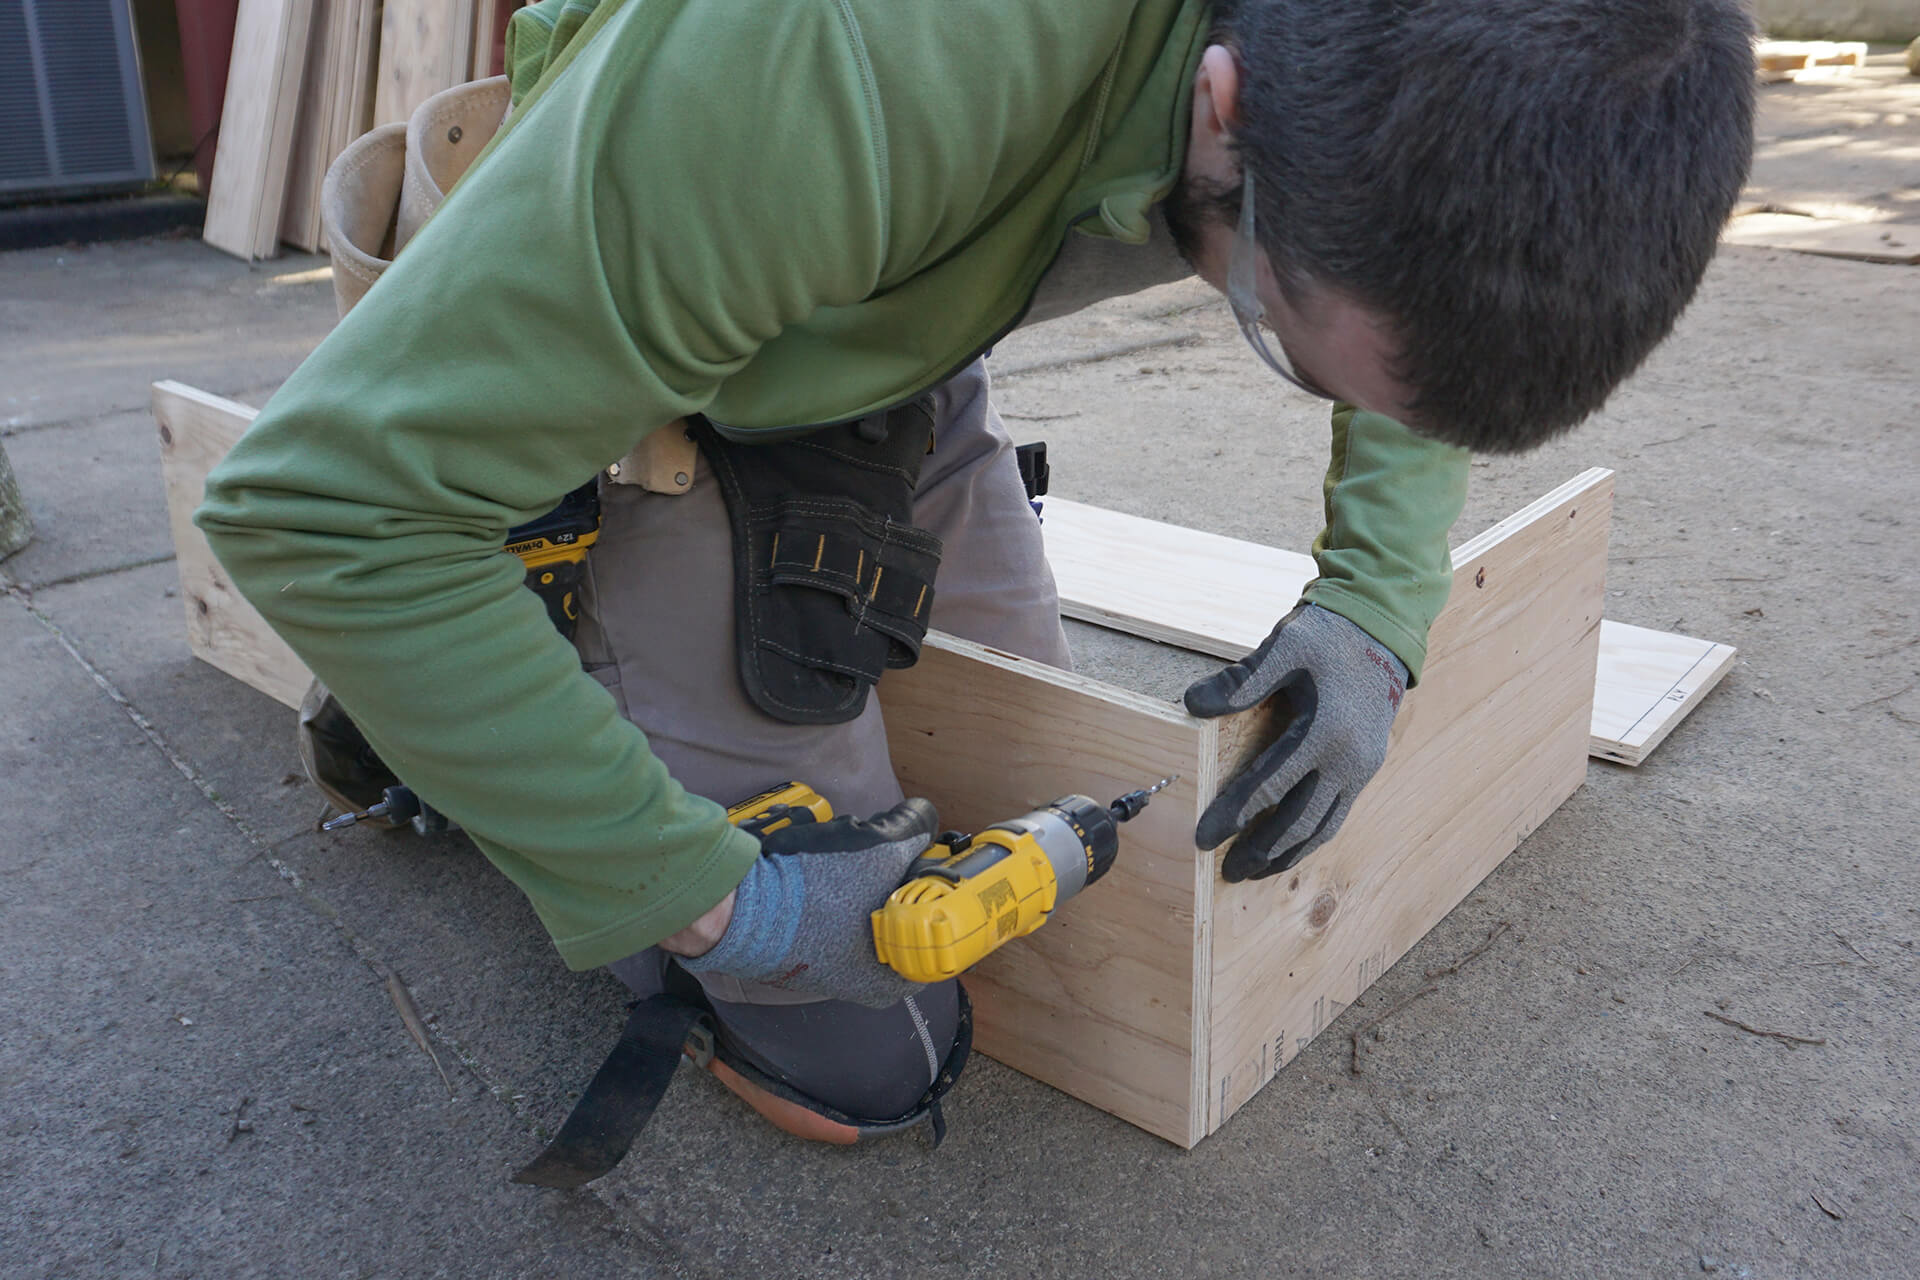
[(832, 582)]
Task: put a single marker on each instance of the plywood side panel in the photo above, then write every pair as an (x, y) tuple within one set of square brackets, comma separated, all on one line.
[(1490, 744), (196, 430), (1102, 1001), (1648, 682), (256, 127)]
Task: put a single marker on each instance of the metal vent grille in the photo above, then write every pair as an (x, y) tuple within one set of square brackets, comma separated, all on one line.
[(70, 97)]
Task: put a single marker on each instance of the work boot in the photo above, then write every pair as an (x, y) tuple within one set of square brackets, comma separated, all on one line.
[(337, 759)]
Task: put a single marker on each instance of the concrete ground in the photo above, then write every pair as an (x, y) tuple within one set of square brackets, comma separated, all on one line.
[(206, 1072)]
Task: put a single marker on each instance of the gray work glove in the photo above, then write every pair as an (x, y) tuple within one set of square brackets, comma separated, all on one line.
[(1344, 688), (801, 917)]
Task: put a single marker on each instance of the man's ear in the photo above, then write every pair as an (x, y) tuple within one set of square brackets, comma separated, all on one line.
[(1216, 90)]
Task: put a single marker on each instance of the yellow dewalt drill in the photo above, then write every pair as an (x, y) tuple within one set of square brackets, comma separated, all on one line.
[(968, 894)]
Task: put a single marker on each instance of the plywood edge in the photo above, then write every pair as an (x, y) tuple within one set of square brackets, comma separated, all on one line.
[(1137, 703), (1211, 776), (1493, 535), (1655, 679)]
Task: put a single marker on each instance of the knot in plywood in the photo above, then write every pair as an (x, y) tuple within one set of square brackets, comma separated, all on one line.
[(1320, 914)]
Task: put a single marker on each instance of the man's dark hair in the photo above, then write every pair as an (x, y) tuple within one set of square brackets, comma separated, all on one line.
[(1531, 189)]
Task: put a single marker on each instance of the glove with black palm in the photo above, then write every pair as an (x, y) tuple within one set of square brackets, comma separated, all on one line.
[(1345, 689), (801, 918)]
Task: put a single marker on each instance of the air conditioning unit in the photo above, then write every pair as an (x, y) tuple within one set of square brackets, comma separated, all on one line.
[(73, 117)]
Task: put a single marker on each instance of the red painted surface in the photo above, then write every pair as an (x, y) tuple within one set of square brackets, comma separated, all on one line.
[(206, 46)]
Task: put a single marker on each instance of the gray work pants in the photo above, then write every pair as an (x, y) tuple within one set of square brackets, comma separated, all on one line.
[(657, 629)]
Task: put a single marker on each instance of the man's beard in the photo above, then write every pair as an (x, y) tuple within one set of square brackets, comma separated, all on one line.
[(1194, 204)]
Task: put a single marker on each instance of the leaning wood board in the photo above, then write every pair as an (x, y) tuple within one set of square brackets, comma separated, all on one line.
[(256, 127), (425, 46), (1167, 996), (333, 109), (1220, 596), (307, 158)]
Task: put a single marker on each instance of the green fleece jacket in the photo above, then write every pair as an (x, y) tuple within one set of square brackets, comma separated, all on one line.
[(771, 211)]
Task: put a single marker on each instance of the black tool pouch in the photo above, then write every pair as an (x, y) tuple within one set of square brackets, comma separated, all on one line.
[(832, 583)]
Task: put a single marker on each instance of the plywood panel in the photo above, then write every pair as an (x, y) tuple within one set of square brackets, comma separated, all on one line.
[(1221, 596), (196, 430), (1648, 682), (1489, 744), (1101, 1002), (1178, 586), (256, 127)]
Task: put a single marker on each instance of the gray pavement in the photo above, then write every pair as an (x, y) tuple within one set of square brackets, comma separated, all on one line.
[(205, 1072)]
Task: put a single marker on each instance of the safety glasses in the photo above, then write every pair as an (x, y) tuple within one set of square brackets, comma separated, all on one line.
[(1243, 295)]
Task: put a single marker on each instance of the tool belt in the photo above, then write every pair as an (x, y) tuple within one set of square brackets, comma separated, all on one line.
[(832, 582)]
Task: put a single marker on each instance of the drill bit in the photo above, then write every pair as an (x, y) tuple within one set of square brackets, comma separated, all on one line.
[(348, 819), (1129, 805)]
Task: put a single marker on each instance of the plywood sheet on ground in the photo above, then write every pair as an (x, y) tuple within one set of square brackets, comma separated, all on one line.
[(1648, 681)]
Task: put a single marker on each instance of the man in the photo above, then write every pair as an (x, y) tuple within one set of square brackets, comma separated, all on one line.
[(1474, 217)]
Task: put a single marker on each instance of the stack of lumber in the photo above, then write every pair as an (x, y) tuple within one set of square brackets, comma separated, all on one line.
[(334, 108), (306, 78)]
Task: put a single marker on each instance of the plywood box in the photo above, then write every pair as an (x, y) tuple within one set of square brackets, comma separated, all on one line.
[(1168, 996), (1163, 994)]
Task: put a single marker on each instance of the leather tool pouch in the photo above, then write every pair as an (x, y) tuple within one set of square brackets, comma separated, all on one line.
[(832, 583)]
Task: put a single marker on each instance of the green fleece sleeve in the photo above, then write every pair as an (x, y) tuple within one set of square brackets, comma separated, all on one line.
[(1391, 497), (590, 281)]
